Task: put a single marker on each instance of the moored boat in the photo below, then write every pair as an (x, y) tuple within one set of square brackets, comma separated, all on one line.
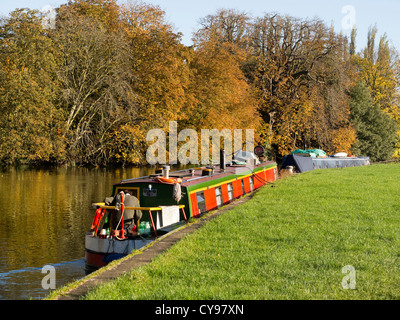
[(142, 209), (307, 161)]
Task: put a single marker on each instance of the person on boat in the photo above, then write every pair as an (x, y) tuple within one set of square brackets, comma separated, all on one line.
[(131, 217)]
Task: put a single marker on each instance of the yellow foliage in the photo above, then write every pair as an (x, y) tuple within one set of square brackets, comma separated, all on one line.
[(343, 140)]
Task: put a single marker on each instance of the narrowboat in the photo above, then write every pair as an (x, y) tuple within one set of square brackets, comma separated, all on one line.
[(142, 209)]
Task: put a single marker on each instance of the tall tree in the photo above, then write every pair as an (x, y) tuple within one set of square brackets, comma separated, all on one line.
[(379, 69), (225, 26), (95, 80), (31, 122), (224, 98), (352, 48), (160, 65), (299, 69), (159, 61), (376, 131)]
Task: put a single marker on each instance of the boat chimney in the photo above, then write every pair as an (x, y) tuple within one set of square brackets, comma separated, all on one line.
[(166, 171), (222, 164)]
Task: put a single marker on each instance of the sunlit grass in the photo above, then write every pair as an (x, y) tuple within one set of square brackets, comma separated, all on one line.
[(290, 241)]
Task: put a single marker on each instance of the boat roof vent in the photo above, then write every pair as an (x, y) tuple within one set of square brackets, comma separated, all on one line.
[(246, 156)]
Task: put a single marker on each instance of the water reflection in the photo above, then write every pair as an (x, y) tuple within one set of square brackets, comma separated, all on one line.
[(44, 215)]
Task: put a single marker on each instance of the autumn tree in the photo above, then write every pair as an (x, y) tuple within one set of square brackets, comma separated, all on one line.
[(223, 97), (226, 26), (105, 12), (31, 123), (95, 79), (160, 65), (219, 84), (379, 69), (159, 61), (352, 47), (299, 69)]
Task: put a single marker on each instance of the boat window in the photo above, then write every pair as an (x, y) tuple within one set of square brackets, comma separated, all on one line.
[(230, 191), (201, 202), (133, 191), (243, 192), (147, 192), (218, 196), (251, 183)]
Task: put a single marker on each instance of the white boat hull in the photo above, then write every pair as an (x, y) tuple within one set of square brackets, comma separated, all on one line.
[(99, 252)]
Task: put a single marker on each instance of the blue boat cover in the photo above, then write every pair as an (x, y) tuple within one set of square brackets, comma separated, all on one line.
[(332, 162), (303, 164)]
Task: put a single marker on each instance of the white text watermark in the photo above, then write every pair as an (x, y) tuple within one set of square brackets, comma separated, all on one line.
[(188, 152), (49, 17), (349, 19), (49, 280), (349, 280)]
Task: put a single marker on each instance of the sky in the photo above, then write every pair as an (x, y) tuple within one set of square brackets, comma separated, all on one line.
[(185, 14)]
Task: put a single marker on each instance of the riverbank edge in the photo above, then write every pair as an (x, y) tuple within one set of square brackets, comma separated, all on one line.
[(78, 289)]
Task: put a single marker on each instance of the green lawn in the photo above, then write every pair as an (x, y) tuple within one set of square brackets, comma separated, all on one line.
[(290, 241)]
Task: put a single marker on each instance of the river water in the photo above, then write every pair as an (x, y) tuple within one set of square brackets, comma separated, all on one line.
[(44, 215)]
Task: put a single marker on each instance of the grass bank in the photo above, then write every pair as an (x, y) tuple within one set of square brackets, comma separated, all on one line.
[(290, 241)]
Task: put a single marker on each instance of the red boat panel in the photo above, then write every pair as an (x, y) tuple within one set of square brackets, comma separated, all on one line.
[(195, 207), (237, 188), (211, 200), (225, 196), (270, 175), (259, 179), (246, 181)]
